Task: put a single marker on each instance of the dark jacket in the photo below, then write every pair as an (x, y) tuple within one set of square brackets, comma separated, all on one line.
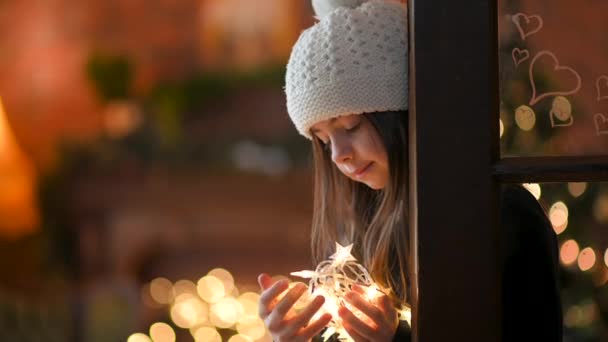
[(530, 287), (531, 306)]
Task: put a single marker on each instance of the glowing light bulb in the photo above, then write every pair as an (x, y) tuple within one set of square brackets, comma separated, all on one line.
[(586, 259), (211, 289), (534, 189), (162, 332), (569, 252)]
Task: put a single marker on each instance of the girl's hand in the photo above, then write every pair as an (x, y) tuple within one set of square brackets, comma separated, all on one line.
[(381, 321), (280, 321)]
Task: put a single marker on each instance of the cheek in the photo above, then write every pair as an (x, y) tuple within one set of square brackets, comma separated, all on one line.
[(377, 150)]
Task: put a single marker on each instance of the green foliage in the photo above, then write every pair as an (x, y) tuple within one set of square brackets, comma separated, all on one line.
[(111, 76)]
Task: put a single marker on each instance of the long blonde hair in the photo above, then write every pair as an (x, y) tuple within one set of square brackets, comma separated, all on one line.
[(375, 221)]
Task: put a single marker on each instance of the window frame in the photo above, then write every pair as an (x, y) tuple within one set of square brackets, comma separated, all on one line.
[(455, 178)]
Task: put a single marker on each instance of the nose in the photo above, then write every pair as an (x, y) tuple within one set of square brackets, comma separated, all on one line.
[(341, 150)]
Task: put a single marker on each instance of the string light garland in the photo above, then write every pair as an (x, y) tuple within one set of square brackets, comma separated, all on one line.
[(333, 279)]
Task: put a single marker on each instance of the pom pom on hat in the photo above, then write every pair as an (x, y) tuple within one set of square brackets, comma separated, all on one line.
[(325, 7)]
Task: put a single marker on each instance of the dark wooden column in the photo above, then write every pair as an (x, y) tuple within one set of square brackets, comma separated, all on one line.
[(454, 146)]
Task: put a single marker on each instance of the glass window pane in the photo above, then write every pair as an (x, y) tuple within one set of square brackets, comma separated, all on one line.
[(578, 215), (553, 77)]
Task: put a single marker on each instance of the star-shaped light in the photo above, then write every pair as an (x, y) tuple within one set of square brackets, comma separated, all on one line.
[(332, 279), (343, 254)]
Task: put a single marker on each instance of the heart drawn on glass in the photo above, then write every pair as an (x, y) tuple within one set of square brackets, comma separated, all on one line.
[(519, 55), (527, 24), (548, 57), (601, 124), (602, 87)]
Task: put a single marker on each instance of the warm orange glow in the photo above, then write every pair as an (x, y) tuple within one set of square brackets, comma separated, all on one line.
[(586, 260), (210, 289), (600, 208), (161, 290), (558, 215), (252, 327), (249, 302), (606, 257), (189, 311), (534, 189), (245, 34), (18, 213), (569, 252), (577, 189), (225, 313), (206, 334), (600, 278), (240, 338), (162, 332), (525, 118), (225, 277), (502, 127), (183, 287), (139, 337)]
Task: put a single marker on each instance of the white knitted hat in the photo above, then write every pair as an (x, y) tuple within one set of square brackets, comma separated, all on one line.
[(353, 61)]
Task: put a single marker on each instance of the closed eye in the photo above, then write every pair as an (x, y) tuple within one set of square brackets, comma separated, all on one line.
[(354, 128)]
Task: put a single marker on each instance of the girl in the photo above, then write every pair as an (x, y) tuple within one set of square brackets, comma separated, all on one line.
[(347, 91), (346, 87)]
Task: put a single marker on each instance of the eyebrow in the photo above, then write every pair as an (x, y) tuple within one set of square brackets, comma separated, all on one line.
[(332, 120)]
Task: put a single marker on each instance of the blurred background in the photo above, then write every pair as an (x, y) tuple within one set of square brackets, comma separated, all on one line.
[(553, 60), (149, 170)]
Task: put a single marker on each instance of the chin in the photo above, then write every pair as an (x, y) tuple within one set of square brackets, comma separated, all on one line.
[(375, 186)]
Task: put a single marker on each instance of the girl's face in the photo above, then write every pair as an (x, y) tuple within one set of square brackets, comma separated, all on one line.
[(356, 148)]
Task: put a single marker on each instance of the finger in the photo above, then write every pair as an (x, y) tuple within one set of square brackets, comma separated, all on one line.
[(288, 300), (354, 334), (355, 323), (315, 327), (358, 288), (265, 281), (268, 296), (305, 315), (387, 306), (369, 309)]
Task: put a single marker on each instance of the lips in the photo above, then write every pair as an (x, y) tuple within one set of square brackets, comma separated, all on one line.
[(362, 170)]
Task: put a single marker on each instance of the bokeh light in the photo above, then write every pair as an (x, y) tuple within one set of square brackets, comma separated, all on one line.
[(121, 118), (225, 313), (573, 316), (581, 315), (250, 303), (252, 327), (162, 332), (577, 189), (139, 337), (211, 289), (161, 290), (304, 298), (586, 259), (525, 118), (558, 215), (534, 189), (569, 251), (225, 277), (189, 311), (184, 287), (146, 297), (606, 257), (600, 208), (502, 127), (240, 338), (600, 278), (207, 334)]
